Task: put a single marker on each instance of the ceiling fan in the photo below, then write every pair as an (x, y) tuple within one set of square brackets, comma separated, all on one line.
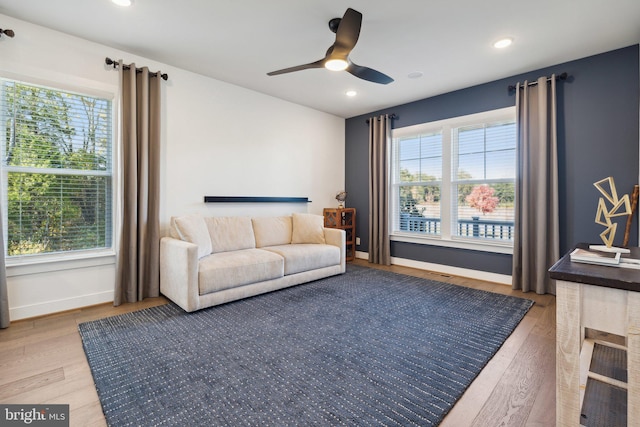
[(347, 30)]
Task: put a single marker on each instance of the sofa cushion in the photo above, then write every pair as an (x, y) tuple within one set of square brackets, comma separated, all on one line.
[(193, 229), (307, 228), (304, 257), (173, 229), (230, 233), (225, 270), (272, 231)]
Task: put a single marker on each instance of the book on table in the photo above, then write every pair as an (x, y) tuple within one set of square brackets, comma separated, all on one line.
[(595, 257)]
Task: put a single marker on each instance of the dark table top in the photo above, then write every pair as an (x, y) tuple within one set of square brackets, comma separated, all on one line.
[(627, 279)]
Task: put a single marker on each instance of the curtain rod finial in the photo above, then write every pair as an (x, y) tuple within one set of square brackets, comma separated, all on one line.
[(110, 61), (7, 32)]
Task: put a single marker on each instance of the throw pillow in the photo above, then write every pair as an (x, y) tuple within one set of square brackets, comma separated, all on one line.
[(232, 233), (307, 228), (272, 231), (193, 229)]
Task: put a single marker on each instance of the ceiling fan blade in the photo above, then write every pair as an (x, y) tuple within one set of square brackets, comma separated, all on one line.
[(317, 64), (347, 33), (369, 74)]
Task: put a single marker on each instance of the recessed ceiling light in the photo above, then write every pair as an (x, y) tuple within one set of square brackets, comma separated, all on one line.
[(415, 75), (124, 3), (502, 43), (351, 93)]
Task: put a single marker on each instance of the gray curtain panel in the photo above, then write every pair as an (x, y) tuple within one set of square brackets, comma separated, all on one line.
[(138, 269), (536, 242), (379, 137), (4, 296)]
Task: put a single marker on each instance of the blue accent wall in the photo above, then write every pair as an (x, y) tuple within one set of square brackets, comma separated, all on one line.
[(598, 131)]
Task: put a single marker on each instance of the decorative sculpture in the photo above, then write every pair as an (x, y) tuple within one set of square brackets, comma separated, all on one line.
[(604, 215), (341, 197)]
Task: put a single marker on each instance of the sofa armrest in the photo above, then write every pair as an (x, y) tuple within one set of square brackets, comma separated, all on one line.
[(338, 237), (179, 272)]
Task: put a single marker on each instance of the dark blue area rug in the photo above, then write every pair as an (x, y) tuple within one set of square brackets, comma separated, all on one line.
[(365, 348)]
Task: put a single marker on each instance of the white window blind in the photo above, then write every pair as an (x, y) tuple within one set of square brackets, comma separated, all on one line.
[(57, 172)]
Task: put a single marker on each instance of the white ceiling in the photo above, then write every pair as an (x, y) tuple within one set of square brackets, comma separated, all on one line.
[(239, 41)]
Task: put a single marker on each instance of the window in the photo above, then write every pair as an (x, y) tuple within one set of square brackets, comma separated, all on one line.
[(419, 182), (57, 173), (454, 180)]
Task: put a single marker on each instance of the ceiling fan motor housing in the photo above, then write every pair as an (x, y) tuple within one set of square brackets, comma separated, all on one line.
[(334, 24)]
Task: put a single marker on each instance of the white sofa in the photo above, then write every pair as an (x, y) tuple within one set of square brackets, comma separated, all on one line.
[(208, 261)]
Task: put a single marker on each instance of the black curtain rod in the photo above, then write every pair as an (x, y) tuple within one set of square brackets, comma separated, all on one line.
[(563, 76), (110, 61), (391, 116)]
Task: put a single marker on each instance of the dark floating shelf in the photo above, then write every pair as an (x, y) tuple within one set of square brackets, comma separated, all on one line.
[(243, 199)]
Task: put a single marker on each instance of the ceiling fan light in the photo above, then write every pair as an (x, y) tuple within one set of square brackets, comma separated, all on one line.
[(336, 64)]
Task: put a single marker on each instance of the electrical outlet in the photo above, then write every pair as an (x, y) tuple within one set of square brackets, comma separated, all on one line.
[(357, 241)]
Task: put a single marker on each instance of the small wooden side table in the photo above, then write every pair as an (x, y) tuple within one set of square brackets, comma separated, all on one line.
[(344, 219)]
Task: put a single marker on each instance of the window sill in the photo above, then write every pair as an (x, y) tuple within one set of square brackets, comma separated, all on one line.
[(49, 263), (484, 246)]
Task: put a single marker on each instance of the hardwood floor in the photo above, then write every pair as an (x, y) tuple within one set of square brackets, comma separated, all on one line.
[(42, 361)]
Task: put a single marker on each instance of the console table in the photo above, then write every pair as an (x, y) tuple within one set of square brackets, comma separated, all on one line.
[(345, 219), (601, 299)]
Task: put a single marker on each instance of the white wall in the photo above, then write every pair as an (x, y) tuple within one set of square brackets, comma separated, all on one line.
[(217, 140), (248, 145)]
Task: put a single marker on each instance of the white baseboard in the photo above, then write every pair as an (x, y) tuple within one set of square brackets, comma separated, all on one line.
[(446, 269), (49, 307)]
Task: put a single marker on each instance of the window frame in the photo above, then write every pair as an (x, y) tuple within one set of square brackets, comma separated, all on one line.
[(64, 260), (447, 202)]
